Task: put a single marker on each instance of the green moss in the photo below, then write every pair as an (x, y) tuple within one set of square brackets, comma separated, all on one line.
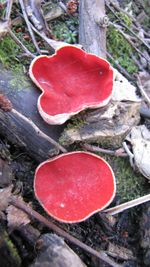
[(8, 52), (125, 18), (120, 49), (130, 185), (12, 250), (117, 45)]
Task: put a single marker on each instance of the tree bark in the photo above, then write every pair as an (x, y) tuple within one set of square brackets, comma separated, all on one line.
[(92, 26)]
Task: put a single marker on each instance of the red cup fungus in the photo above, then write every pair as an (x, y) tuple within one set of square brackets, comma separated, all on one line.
[(71, 80), (73, 186)]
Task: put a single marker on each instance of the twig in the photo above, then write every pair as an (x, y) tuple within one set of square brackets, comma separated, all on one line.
[(119, 67), (28, 25), (23, 47), (8, 10), (118, 153), (35, 15), (38, 131), (125, 26), (52, 43), (32, 213), (142, 91), (129, 153), (146, 33), (137, 62), (127, 205), (132, 44), (117, 7), (129, 40)]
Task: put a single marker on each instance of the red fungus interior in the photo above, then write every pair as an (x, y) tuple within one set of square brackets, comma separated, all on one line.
[(71, 80), (73, 186)]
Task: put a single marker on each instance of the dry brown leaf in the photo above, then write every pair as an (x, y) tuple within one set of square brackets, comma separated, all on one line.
[(5, 195), (16, 217)]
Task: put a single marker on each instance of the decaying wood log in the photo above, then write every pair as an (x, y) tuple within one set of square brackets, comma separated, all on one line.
[(92, 26), (107, 126), (23, 96)]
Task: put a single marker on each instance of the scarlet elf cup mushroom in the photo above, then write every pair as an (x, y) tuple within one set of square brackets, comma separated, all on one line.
[(73, 186), (71, 80)]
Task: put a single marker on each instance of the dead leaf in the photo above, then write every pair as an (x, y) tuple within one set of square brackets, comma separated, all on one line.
[(5, 195), (16, 217), (120, 252)]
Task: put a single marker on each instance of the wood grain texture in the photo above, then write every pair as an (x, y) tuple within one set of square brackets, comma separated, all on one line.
[(15, 129), (91, 35)]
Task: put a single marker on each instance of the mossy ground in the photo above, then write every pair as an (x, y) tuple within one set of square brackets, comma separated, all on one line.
[(130, 185)]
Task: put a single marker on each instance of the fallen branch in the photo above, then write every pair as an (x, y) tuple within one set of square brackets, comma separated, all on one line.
[(8, 10), (22, 46), (118, 153), (142, 91), (29, 26), (33, 214)]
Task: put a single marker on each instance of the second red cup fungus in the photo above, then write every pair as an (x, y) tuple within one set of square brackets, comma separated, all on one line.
[(73, 186)]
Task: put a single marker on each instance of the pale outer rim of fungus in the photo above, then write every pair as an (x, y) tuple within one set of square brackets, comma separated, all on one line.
[(93, 212), (62, 118)]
